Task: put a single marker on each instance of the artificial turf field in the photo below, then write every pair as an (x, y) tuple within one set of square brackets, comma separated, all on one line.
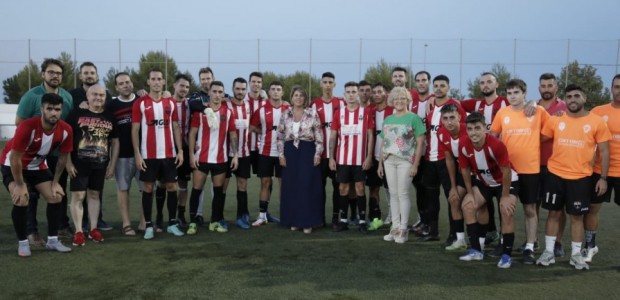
[(271, 262)]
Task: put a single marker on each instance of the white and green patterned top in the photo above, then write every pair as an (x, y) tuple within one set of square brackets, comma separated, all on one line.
[(399, 135)]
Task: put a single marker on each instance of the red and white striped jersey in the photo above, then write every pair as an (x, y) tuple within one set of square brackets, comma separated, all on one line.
[(449, 143), (242, 113), (487, 110), (36, 144), (418, 106), (380, 115), (326, 110), (267, 118), (155, 118), (352, 128), (212, 143), (485, 162), (433, 123), (255, 104), (184, 114)]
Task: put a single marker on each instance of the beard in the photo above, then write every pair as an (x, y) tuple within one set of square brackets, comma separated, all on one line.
[(487, 94), (575, 110), (53, 83), (547, 96)]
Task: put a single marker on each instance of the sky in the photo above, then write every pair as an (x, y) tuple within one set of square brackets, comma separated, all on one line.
[(395, 30)]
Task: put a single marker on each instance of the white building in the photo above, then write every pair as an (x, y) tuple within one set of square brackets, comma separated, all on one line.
[(7, 121)]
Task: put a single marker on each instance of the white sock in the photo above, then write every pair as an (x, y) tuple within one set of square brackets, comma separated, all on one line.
[(460, 236), (51, 239), (549, 243), (529, 246), (262, 215), (576, 248)]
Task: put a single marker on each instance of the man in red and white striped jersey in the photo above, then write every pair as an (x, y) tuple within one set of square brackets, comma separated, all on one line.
[(351, 143), (256, 97), (265, 122), (381, 111), (208, 147), (435, 168), (325, 106), (24, 164), (154, 134), (240, 107), (182, 84), (488, 107), (487, 157)]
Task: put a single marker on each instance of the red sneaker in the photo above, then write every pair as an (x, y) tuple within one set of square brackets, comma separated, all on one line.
[(95, 235), (79, 239)]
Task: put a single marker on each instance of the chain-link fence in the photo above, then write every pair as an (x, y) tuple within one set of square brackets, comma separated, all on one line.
[(461, 59)]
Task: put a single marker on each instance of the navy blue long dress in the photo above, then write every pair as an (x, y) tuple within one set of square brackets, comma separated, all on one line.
[(301, 200)]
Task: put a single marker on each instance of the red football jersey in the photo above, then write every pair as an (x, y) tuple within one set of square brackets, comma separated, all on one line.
[(212, 143), (380, 115), (326, 110), (352, 128), (155, 118), (487, 110), (267, 118), (449, 143), (37, 144), (242, 113), (433, 123), (485, 162)]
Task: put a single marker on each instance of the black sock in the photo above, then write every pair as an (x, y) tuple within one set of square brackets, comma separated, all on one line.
[(459, 226), (361, 205), (147, 207), (217, 205), (335, 201), (509, 239), (353, 207), (473, 231), (18, 214), (160, 199), (181, 212), (263, 205), (491, 207), (420, 195), (53, 218), (242, 203), (344, 205), (590, 236), (375, 210), (194, 199), (452, 231), (172, 207)]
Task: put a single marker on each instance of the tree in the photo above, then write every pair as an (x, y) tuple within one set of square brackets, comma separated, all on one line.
[(587, 78), (30, 76), (17, 85), (149, 61), (456, 94), (382, 72), (310, 83), (502, 77)]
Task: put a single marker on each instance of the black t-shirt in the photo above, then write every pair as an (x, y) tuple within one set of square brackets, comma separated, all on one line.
[(121, 110), (92, 134), (79, 96)]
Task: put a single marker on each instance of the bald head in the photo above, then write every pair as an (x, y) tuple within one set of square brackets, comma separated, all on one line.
[(96, 97)]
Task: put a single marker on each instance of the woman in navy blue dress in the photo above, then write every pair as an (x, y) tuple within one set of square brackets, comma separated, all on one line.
[(300, 144)]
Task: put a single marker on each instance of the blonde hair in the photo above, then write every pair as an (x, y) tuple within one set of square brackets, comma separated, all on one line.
[(397, 91)]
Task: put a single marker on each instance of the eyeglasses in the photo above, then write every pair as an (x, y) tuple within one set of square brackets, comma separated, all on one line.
[(53, 73)]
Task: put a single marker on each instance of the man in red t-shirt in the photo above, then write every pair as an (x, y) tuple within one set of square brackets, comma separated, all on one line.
[(24, 164)]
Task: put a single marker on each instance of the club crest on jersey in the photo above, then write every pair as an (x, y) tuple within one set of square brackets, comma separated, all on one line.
[(562, 126), (586, 128), (506, 120), (530, 119), (605, 118)]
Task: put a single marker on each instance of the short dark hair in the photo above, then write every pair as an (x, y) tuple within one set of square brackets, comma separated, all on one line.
[(205, 70), (448, 108), (351, 83), (182, 76), (441, 77), (328, 75), (379, 84), (428, 75), (52, 61), (573, 87), (489, 73), (547, 76), (615, 78), (119, 74), (240, 80), (155, 69), (276, 82), (516, 83), (363, 83), (401, 69), (475, 117), (256, 74), (218, 83), (88, 64), (51, 99)]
